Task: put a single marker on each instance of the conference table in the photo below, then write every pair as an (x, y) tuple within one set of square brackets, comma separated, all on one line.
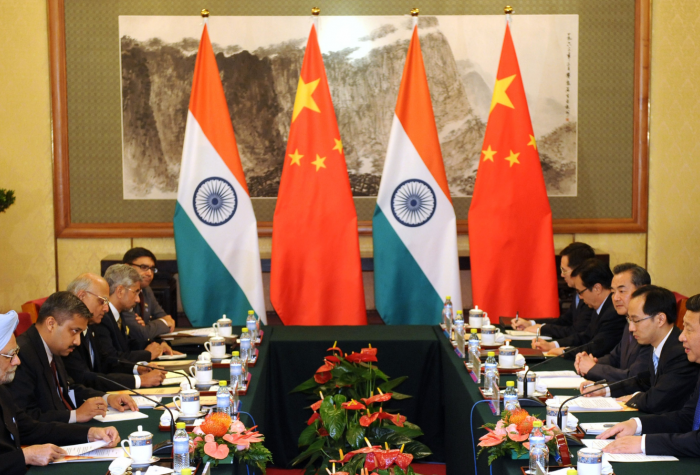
[(442, 404)]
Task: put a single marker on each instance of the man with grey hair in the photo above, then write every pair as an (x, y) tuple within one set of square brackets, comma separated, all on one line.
[(24, 441), (89, 362), (112, 333)]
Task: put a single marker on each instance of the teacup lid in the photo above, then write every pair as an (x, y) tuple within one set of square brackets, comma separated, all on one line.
[(224, 318), (590, 451), (217, 337), (141, 433), (205, 355), (476, 310)]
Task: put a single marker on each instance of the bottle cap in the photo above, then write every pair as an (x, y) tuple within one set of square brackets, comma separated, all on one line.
[(448, 297), (510, 384), (537, 424), (235, 353), (223, 383), (572, 471), (186, 471), (180, 425), (251, 312), (491, 353), (459, 311), (473, 330), (244, 330)]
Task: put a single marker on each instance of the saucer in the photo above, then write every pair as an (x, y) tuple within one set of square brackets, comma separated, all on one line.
[(206, 384), (511, 367), (191, 417), (216, 359), (154, 459)]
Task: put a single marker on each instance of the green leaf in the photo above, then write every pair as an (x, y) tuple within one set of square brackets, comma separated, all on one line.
[(378, 435), (309, 434), (338, 399), (383, 472), (418, 449), (355, 463), (334, 423), (398, 471), (399, 396), (355, 435), (326, 407), (315, 447), (407, 431), (398, 439), (380, 374), (305, 386), (389, 385)]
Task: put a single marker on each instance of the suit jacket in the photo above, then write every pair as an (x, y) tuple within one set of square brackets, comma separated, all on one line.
[(668, 388), (150, 311), (627, 359), (602, 334), (672, 433), (18, 429), (34, 387), (81, 368), (575, 319), (114, 341)]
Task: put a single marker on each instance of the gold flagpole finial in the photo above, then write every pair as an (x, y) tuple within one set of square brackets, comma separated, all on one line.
[(415, 11), (205, 13), (315, 11), (508, 10)]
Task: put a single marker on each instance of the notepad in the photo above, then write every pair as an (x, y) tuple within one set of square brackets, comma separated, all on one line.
[(97, 455), (600, 444), (522, 335), (591, 404), (115, 416), (80, 449), (144, 403)]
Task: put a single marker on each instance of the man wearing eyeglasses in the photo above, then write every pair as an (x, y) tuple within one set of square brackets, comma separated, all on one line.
[(670, 377), (155, 321), (592, 282), (90, 360), (113, 334), (23, 440)]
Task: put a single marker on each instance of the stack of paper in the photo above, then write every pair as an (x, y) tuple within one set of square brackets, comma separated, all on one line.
[(600, 444), (591, 404), (559, 380), (144, 403), (523, 335), (596, 428), (115, 416), (90, 452)]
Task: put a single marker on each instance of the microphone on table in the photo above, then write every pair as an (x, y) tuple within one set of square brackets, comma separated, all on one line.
[(172, 419), (146, 365), (570, 350), (642, 375)]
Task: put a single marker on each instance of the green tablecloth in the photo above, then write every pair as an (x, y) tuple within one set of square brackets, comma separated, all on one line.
[(443, 396)]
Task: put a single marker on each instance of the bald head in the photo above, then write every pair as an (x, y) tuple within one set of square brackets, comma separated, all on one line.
[(93, 290)]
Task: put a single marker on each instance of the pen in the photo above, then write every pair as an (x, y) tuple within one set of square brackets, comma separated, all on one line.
[(588, 385), (517, 317)]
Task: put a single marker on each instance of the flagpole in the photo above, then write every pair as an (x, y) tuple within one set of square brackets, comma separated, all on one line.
[(414, 16), (315, 12), (508, 10), (205, 15)]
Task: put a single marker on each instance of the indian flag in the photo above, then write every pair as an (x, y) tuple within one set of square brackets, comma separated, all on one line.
[(414, 226), (216, 235)]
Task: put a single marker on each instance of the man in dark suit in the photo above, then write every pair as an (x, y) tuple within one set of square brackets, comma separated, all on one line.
[(628, 358), (89, 360), (112, 333), (592, 281), (669, 376), (24, 441), (674, 433), (42, 387), (578, 316), (154, 321)]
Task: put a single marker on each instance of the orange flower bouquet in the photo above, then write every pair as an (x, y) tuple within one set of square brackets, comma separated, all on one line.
[(221, 438)]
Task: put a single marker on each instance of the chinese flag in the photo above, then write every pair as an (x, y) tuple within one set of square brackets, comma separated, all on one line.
[(316, 278), (510, 222)]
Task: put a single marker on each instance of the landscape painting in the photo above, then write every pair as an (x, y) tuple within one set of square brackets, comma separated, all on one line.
[(259, 60)]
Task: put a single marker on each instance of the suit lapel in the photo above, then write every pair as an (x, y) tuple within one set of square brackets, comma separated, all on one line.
[(9, 421), (38, 345)]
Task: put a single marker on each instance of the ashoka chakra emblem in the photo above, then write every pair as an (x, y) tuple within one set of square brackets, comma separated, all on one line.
[(215, 201), (413, 203)]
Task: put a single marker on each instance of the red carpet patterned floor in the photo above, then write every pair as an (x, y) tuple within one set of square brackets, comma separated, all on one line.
[(422, 468)]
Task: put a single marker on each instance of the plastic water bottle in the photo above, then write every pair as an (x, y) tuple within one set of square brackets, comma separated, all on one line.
[(510, 397), (491, 375), (447, 310), (539, 453), (223, 398), (236, 369), (181, 448), (474, 343), (245, 350), (459, 328), (251, 324), (458, 317)]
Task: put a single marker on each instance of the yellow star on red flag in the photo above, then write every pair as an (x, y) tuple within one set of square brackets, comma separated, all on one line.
[(513, 158), (296, 158), (532, 141), (319, 162), (304, 97), (488, 154), (338, 146), (499, 93)]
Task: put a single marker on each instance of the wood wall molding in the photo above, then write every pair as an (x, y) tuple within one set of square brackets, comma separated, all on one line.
[(64, 228)]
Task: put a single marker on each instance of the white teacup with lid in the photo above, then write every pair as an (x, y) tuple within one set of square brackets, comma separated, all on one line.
[(204, 356), (488, 335), (187, 402), (224, 326), (202, 371), (216, 346), (140, 446), (507, 355), (477, 318)]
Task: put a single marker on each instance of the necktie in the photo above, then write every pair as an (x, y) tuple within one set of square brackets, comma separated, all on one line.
[(656, 361), (696, 419), (58, 385)]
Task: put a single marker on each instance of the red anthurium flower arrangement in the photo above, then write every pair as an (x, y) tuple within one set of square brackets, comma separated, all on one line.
[(219, 436), (510, 434), (347, 417)]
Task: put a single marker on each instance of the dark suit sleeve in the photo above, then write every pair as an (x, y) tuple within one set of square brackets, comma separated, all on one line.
[(104, 344), (33, 432), (142, 333), (13, 463), (680, 421), (678, 445), (80, 372), (599, 339)]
